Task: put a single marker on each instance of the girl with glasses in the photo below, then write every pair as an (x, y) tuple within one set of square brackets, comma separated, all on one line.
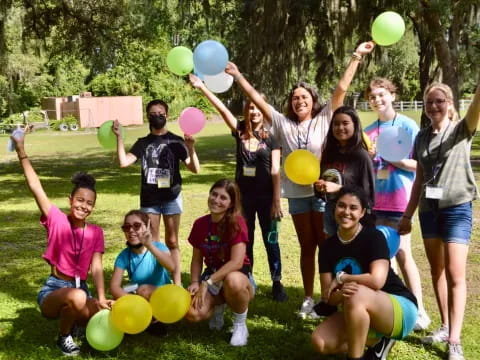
[(443, 190)]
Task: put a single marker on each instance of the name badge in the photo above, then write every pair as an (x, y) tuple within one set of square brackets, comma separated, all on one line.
[(383, 174), (249, 171), (77, 281), (163, 182), (433, 192)]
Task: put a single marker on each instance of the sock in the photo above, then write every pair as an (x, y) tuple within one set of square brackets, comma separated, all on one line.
[(218, 309), (240, 318)]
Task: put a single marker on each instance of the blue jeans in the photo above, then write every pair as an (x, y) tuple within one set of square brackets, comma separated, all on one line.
[(261, 205), (172, 207)]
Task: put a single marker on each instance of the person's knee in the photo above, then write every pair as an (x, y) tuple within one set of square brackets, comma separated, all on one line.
[(144, 291), (235, 284), (171, 242), (76, 299), (318, 343)]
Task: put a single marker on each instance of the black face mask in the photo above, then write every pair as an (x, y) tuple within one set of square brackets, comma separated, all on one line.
[(137, 246), (157, 121)]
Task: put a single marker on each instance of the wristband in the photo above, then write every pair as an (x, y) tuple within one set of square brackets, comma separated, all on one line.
[(238, 76), (22, 157), (357, 56), (338, 277)]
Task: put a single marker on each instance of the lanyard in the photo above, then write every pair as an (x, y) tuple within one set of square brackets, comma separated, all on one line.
[(435, 166), (250, 156), (74, 246), (305, 143), (131, 271), (378, 124)]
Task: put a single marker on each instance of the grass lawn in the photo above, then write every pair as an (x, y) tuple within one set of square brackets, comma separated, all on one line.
[(275, 330)]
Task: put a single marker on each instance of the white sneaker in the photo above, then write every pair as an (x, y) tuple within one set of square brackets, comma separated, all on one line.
[(455, 352), (216, 321), (423, 321), (240, 335), (439, 335), (306, 307)]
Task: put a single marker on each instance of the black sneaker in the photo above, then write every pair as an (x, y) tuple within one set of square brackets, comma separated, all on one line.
[(278, 292), (67, 345), (322, 309), (380, 350), (78, 332)]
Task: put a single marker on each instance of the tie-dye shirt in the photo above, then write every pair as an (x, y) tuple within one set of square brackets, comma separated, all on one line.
[(392, 194)]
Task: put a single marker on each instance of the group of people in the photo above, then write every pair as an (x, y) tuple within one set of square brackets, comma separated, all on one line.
[(365, 301)]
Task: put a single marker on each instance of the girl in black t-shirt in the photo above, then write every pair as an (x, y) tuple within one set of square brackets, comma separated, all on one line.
[(355, 274), (345, 161), (258, 177)]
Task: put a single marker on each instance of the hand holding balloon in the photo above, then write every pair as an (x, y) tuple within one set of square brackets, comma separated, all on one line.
[(116, 128), (232, 69), (404, 226), (195, 81), (365, 48), (189, 141)]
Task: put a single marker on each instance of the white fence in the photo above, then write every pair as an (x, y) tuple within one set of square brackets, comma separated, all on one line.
[(411, 105)]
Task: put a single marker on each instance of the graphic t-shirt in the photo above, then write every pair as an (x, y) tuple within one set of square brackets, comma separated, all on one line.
[(160, 157), (392, 184), (355, 258), (216, 251), (143, 268), (254, 162)]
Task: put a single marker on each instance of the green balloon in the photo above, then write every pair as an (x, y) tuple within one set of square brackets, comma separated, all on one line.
[(388, 28), (106, 136), (101, 334), (180, 60)]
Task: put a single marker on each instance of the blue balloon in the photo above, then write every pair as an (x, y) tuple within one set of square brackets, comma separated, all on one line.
[(198, 73), (393, 238), (394, 143), (210, 57)]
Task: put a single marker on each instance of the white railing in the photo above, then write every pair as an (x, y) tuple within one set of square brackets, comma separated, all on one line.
[(411, 105)]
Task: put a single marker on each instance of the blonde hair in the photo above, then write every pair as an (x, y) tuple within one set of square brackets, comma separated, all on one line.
[(447, 91)]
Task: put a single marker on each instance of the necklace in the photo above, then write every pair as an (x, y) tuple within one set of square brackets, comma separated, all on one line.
[(345, 242)]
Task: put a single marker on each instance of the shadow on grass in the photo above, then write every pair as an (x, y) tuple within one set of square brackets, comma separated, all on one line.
[(217, 153)]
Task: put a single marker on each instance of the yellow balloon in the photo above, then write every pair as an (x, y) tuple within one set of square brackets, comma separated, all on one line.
[(302, 167), (170, 303), (131, 314), (367, 141)]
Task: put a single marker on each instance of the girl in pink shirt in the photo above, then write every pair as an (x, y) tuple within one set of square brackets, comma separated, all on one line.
[(73, 247)]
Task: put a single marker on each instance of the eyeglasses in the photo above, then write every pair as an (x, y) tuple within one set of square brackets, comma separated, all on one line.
[(436, 102), (127, 227)]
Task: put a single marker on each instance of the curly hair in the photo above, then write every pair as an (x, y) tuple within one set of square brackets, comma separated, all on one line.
[(82, 180)]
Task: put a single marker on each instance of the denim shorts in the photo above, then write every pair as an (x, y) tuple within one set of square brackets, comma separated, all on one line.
[(305, 205), (53, 283), (206, 274), (452, 224), (391, 216), (172, 207)]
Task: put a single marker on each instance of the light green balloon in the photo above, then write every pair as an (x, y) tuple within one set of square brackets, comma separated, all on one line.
[(106, 137), (388, 28), (180, 60), (101, 334)]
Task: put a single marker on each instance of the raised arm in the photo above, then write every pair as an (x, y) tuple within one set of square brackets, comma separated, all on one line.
[(473, 113), (191, 162), (31, 176), (125, 159), (250, 91), (345, 81), (226, 114)]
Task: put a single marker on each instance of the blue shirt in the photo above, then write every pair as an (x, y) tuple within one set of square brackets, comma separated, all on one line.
[(143, 268)]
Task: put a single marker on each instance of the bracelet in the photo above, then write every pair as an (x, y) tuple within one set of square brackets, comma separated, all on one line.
[(338, 277), (195, 281), (357, 56), (238, 76), (22, 157)]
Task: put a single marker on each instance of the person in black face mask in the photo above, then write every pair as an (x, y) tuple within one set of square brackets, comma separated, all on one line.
[(147, 262), (160, 153)]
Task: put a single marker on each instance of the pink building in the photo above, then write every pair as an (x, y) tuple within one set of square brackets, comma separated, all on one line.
[(94, 111)]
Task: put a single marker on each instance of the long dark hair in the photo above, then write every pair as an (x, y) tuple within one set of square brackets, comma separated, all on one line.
[(246, 132), (82, 180), (229, 226), (356, 142), (316, 107)]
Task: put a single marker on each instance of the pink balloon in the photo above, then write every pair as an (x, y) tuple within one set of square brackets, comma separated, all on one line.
[(191, 120)]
